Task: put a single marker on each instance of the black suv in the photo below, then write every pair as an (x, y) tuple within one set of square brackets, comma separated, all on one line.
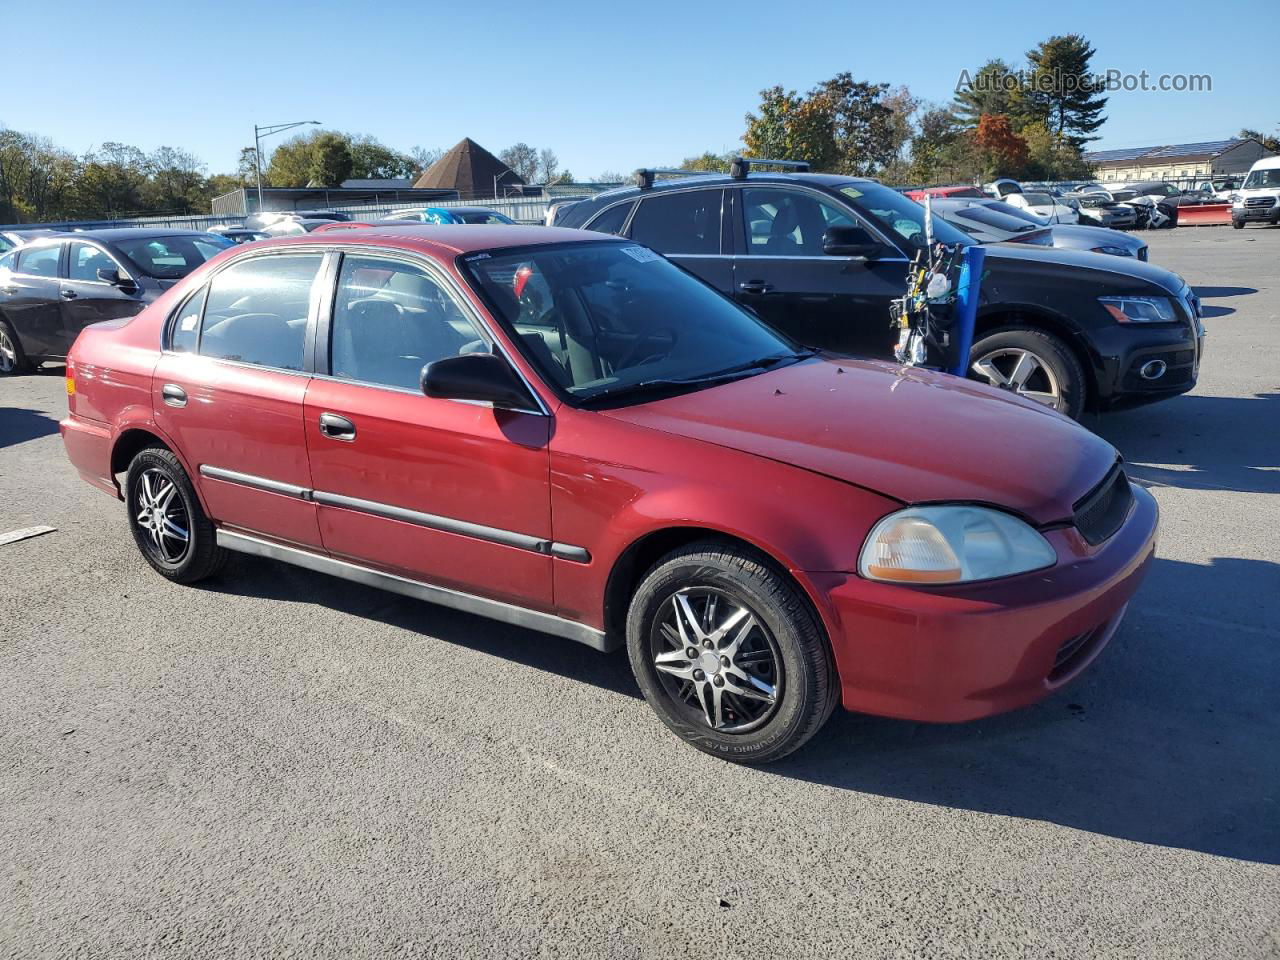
[(821, 256)]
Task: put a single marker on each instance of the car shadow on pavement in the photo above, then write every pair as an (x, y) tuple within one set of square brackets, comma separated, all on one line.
[(1200, 443), (1212, 292), (18, 425), (255, 577), (1169, 738)]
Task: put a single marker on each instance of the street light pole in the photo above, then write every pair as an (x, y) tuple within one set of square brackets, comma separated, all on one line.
[(267, 131)]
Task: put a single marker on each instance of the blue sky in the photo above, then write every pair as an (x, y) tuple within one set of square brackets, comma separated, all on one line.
[(608, 86)]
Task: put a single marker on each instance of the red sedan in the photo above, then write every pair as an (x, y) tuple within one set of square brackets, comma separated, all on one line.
[(567, 432)]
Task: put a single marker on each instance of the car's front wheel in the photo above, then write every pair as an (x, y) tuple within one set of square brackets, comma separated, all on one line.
[(167, 521), (12, 360), (1033, 364), (729, 654)]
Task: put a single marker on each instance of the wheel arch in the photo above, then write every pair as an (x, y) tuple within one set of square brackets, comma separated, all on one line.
[(133, 439), (1006, 315), (642, 553)]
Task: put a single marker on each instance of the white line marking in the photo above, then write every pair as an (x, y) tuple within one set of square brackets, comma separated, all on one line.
[(24, 534)]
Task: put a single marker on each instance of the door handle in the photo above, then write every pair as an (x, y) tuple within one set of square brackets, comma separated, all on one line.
[(69, 294), (9, 290), (337, 428), (174, 395), (755, 286)]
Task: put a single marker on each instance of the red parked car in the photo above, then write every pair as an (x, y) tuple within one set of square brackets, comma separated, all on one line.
[(568, 432)]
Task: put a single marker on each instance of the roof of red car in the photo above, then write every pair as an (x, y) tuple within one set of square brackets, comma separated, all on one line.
[(448, 239)]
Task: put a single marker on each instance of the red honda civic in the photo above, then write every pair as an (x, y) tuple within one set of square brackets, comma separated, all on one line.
[(565, 431)]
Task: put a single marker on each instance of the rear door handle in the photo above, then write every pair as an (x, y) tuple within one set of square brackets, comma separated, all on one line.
[(755, 286), (69, 294), (174, 395), (337, 428)]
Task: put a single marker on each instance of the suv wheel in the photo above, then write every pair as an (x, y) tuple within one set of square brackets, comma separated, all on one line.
[(1237, 224), (1033, 364), (729, 655), (168, 524), (12, 359)]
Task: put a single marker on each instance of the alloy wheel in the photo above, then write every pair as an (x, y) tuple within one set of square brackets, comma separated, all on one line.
[(1021, 371), (8, 353), (716, 659), (162, 517)]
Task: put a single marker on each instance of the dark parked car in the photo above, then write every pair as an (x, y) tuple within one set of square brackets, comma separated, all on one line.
[(821, 256), (994, 221), (243, 234), (16, 238), (566, 432), (53, 287)]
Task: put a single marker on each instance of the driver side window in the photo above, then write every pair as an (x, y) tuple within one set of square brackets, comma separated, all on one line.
[(391, 319)]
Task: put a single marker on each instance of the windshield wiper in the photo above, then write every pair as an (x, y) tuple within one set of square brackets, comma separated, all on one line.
[(665, 384)]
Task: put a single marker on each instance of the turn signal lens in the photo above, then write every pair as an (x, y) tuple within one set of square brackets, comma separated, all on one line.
[(954, 543), (71, 378)]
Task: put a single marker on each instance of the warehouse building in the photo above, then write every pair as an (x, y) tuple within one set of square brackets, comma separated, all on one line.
[(1181, 161)]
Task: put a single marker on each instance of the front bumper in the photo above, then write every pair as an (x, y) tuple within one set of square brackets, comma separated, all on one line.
[(1269, 213), (959, 653)]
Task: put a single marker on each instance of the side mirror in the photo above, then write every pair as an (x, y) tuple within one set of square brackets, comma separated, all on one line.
[(112, 276), (485, 377), (849, 241)]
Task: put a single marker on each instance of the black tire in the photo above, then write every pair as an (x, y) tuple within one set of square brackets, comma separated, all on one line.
[(201, 556), (788, 647), (1237, 224), (19, 364), (1062, 367)]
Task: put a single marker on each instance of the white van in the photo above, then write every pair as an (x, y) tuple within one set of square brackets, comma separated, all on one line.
[(1258, 199)]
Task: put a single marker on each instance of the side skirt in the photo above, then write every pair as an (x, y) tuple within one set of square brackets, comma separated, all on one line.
[(493, 609)]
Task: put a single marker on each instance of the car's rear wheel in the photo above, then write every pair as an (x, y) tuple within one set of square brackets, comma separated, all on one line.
[(12, 360), (1237, 224), (729, 654), (167, 521), (1033, 364)]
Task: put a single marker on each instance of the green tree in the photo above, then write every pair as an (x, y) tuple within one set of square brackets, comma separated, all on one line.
[(111, 180), (175, 182), (1061, 91), (371, 160), (710, 162), (331, 160), (988, 91)]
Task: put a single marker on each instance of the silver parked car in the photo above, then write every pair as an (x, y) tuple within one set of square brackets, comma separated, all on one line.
[(994, 221)]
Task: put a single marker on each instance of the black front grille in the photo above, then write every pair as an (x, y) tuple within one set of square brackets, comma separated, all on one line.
[(1260, 202), (1102, 512)]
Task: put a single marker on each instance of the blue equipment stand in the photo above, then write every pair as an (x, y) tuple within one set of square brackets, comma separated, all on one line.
[(967, 288)]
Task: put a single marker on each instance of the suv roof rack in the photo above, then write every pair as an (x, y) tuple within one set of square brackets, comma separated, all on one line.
[(646, 175), (742, 165)]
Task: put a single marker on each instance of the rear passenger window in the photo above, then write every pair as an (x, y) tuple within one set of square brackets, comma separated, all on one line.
[(390, 319), (39, 261), (186, 323), (257, 311), (611, 220), (687, 222)]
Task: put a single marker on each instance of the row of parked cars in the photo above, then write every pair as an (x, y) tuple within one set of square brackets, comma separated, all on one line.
[(688, 455)]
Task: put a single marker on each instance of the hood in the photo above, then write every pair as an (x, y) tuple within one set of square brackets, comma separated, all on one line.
[(1096, 236), (1068, 263), (905, 433)]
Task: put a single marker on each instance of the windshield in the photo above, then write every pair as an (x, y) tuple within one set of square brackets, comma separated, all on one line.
[(617, 319), (1262, 178), (170, 258), (1038, 199), (893, 212), (482, 217)]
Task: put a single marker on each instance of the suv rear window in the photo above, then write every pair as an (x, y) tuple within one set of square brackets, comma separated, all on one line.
[(675, 223)]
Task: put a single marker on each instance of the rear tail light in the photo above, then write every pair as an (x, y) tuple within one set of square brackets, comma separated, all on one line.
[(71, 377)]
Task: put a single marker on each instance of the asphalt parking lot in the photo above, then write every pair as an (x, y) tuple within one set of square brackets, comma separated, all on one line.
[(277, 763)]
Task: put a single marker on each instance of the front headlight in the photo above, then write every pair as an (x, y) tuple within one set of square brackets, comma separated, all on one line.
[(1114, 251), (952, 544), (1139, 309)]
